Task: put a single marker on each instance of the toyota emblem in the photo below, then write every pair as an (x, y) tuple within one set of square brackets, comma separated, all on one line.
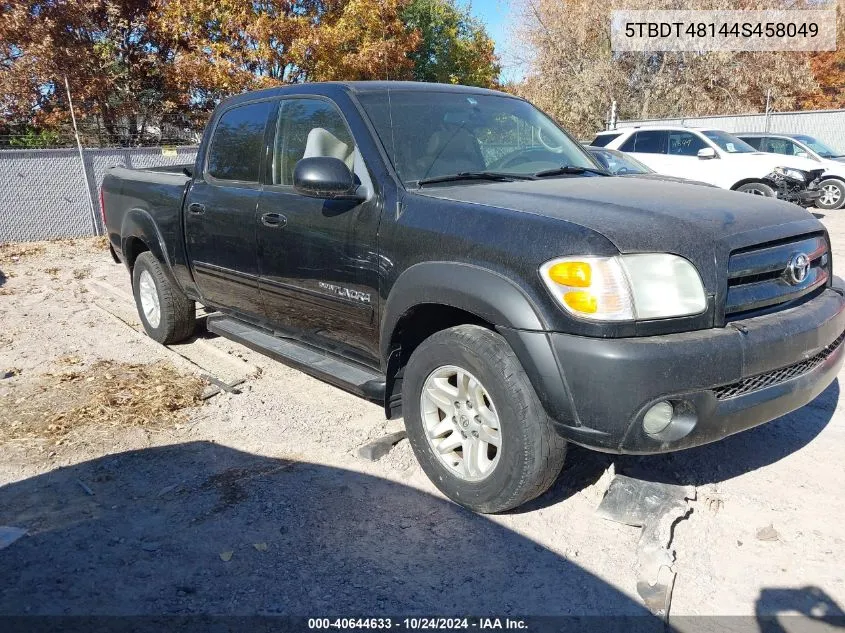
[(797, 268)]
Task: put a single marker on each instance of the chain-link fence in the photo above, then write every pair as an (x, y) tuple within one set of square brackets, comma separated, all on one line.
[(44, 194), (826, 125)]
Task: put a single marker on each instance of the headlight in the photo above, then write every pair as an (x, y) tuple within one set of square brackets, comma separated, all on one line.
[(797, 174), (625, 287)]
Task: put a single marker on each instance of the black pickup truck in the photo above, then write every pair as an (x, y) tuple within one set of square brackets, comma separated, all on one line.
[(453, 255)]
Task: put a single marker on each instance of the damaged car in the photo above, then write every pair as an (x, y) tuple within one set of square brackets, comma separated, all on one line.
[(717, 158)]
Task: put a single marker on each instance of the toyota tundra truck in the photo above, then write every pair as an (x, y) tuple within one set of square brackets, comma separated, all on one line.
[(453, 255)]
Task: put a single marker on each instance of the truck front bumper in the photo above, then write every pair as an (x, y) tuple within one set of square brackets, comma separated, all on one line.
[(719, 381)]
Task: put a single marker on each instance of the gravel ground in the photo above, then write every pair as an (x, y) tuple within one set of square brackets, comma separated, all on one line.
[(255, 503)]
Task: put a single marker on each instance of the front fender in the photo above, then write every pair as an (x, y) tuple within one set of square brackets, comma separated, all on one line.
[(494, 298), (483, 292)]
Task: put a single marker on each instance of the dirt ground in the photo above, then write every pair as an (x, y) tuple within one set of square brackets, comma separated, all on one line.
[(255, 503)]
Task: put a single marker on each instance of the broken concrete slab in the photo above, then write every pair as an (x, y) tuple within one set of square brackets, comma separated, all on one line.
[(378, 448), (656, 508)]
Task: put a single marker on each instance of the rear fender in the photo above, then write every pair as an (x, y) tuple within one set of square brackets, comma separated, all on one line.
[(138, 224)]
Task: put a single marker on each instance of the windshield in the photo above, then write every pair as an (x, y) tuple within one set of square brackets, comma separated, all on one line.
[(728, 142), (619, 163), (431, 133), (818, 147)]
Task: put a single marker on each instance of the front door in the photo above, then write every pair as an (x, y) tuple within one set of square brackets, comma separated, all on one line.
[(318, 258), (220, 211)]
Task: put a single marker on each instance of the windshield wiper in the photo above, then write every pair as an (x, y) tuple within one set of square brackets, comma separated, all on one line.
[(571, 169), (492, 176)]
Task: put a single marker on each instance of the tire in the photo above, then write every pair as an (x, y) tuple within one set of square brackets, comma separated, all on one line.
[(530, 454), (833, 194), (176, 313), (757, 189)]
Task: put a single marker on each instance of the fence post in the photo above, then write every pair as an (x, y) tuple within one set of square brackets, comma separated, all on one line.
[(82, 161)]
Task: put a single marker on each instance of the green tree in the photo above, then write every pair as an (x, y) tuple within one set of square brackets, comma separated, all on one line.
[(455, 47)]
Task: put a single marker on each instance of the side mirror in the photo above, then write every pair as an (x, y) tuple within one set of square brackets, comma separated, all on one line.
[(707, 153), (802, 154), (325, 177)]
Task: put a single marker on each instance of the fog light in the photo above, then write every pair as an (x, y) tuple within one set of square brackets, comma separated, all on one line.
[(658, 417)]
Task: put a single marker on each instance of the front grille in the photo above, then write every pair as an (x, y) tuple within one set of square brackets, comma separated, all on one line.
[(758, 278), (776, 376)]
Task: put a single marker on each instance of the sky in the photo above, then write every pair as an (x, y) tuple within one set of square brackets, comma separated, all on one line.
[(498, 16)]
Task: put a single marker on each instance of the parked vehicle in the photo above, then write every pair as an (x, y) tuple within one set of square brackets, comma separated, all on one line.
[(453, 255), (832, 185), (621, 164), (715, 157)]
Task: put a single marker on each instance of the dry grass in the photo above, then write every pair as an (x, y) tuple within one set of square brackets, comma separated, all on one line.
[(100, 243), (13, 252), (105, 396)]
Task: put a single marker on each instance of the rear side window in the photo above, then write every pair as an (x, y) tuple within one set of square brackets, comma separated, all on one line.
[(647, 142), (308, 128), (753, 141), (602, 140), (238, 143)]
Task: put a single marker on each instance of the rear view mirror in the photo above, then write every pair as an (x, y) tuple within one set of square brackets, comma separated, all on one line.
[(707, 153), (324, 177)]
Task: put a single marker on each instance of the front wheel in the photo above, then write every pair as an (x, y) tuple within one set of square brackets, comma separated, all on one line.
[(475, 423), (832, 194), (757, 189)]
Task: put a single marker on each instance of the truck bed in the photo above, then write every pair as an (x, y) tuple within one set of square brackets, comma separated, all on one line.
[(149, 198)]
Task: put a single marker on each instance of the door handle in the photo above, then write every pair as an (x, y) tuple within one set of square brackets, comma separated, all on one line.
[(196, 208), (274, 220)]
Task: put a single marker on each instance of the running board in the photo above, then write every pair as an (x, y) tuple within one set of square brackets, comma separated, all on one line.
[(348, 375)]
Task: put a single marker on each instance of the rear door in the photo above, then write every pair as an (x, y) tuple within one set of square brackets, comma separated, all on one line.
[(319, 258), (649, 147), (220, 223)]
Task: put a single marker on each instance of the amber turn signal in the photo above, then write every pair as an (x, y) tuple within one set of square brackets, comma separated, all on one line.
[(581, 301), (573, 274)]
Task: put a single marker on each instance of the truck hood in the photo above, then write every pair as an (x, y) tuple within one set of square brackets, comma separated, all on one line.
[(702, 224)]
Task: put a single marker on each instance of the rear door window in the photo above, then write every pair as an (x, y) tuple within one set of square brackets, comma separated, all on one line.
[(238, 143), (308, 128), (647, 142), (783, 146)]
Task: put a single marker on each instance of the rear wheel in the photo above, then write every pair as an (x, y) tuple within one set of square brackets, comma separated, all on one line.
[(832, 194), (757, 189), (475, 423), (167, 315)]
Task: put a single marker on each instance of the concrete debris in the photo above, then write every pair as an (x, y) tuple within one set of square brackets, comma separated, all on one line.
[(768, 533), (378, 448), (656, 508)]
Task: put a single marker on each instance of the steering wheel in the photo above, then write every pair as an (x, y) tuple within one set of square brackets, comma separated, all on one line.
[(552, 148), (520, 156)]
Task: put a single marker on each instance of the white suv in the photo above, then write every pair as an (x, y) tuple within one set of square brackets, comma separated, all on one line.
[(711, 156), (805, 146)]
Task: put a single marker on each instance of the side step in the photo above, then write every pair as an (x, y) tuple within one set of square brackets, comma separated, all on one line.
[(348, 375)]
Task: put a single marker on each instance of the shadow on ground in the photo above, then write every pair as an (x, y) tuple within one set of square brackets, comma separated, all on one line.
[(733, 456), (3, 279), (149, 541), (776, 609)]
